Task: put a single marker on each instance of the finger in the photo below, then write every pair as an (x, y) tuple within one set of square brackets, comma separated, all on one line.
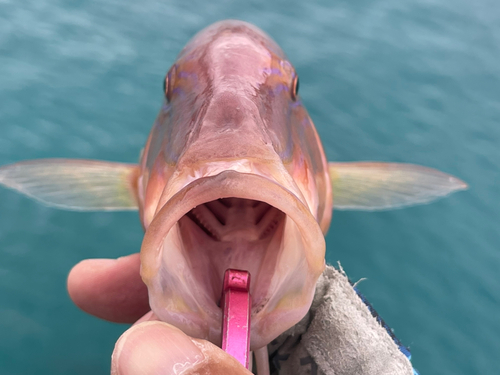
[(110, 289), (158, 348)]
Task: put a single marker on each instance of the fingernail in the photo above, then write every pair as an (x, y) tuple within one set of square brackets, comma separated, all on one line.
[(150, 316), (154, 348)]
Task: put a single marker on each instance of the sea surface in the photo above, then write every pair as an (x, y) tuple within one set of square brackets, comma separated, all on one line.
[(413, 81)]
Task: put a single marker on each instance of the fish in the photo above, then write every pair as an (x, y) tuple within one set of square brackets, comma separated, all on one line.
[(233, 175)]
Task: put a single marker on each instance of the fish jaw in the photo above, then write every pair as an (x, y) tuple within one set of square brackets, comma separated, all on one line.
[(186, 251)]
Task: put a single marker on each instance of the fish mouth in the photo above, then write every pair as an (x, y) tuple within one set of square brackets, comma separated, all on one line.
[(233, 233), (232, 220)]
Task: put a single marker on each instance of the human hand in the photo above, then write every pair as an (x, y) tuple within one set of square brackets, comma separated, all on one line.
[(113, 290)]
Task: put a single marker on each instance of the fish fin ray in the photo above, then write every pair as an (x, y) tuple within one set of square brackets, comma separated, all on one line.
[(73, 184), (373, 186)]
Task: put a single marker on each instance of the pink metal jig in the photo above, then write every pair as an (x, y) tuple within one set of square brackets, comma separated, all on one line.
[(236, 303)]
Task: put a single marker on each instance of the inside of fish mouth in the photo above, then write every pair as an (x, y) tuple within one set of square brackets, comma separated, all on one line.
[(233, 233)]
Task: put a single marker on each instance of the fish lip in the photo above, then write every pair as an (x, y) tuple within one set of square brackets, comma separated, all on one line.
[(225, 185), (233, 184)]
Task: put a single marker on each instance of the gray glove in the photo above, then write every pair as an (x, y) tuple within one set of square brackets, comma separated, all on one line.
[(338, 336)]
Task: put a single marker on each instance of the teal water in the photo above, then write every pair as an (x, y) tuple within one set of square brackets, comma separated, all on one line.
[(415, 81)]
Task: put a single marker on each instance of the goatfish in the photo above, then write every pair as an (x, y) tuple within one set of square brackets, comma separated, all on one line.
[(233, 175)]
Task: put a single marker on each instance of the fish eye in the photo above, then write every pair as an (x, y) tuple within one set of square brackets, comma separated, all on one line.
[(167, 84), (295, 87), (166, 88)]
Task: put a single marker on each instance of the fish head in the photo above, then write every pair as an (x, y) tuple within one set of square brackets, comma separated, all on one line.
[(233, 176)]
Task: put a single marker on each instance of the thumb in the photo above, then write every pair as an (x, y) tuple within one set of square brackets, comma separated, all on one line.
[(158, 348)]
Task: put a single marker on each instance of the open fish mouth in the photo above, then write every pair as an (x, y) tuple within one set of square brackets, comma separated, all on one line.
[(233, 233), (240, 221)]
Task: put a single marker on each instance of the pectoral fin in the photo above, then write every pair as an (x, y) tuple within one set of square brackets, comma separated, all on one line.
[(81, 185), (374, 186)]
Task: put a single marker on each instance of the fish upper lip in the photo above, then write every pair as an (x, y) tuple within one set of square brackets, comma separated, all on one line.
[(196, 311), (228, 184)]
